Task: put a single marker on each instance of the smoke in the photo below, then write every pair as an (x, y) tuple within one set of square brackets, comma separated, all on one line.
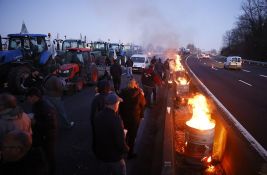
[(154, 30), (143, 22)]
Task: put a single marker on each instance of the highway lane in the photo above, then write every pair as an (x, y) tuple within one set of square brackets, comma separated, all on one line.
[(243, 93)]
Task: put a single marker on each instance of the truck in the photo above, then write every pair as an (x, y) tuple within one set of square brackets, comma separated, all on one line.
[(27, 56)]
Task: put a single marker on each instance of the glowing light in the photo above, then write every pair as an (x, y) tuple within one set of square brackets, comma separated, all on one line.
[(182, 81), (210, 169), (201, 118), (209, 159), (178, 64), (169, 109)]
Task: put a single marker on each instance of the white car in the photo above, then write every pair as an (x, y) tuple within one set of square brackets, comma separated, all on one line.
[(233, 62), (140, 62)]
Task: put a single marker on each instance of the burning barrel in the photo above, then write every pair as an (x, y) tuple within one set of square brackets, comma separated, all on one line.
[(199, 130), (199, 143)]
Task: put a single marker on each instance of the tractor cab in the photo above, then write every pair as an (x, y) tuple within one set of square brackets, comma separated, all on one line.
[(100, 46), (28, 47), (69, 43)]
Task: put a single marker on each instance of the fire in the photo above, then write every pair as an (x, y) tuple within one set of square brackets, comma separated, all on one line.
[(201, 118), (182, 81), (178, 65), (170, 81), (209, 159)]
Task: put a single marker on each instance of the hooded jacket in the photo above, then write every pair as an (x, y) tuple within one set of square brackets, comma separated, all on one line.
[(132, 107)]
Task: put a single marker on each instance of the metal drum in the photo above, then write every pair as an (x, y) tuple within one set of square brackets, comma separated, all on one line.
[(198, 143)]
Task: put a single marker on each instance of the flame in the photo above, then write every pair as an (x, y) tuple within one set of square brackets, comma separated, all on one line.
[(211, 169), (209, 159), (182, 81), (178, 65), (201, 115)]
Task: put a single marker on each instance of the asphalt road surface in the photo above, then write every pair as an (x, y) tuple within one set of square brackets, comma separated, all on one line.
[(74, 152), (243, 92)]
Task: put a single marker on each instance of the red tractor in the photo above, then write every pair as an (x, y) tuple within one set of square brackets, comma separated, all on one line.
[(78, 68)]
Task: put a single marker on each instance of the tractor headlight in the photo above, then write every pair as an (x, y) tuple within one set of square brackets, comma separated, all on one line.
[(66, 71)]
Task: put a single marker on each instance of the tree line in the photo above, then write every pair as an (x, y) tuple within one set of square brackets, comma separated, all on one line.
[(248, 38)]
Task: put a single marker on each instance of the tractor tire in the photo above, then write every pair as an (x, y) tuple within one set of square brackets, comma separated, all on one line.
[(93, 75), (16, 79)]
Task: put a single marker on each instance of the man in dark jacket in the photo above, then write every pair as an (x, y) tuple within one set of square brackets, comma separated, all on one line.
[(132, 110), (159, 67), (129, 67), (110, 145), (45, 126), (98, 103), (116, 71), (53, 90), (149, 81)]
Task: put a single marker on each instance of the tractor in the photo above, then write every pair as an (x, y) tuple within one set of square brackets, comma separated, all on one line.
[(77, 69), (27, 58)]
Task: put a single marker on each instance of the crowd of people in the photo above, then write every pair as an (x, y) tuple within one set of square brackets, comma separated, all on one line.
[(28, 141)]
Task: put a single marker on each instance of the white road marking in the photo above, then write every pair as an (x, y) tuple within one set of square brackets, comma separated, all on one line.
[(245, 82), (245, 70), (265, 76)]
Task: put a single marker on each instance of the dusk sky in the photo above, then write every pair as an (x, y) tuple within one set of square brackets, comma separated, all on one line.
[(170, 23)]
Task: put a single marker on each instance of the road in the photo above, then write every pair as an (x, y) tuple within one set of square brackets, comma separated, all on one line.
[(243, 92), (74, 153)]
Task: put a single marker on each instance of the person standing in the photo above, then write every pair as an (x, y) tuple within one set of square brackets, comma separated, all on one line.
[(166, 69), (159, 67), (116, 71), (149, 81), (132, 110), (110, 144), (53, 91), (45, 126), (98, 103), (129, 67)]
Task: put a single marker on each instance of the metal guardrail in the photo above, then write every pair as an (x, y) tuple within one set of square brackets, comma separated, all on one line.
[(250, 61), (255, 62)]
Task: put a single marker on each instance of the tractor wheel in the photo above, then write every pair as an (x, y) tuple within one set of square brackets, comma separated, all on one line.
[(94, 76), (79, 84), (17, 78)]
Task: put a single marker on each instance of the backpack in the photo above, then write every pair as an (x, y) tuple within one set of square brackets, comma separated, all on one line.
[(15, 145)]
